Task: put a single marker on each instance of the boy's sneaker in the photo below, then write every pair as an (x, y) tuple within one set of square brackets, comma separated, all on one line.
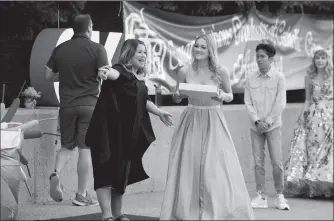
[(81, 200), (56, 192), (259, 201), (281, 203)]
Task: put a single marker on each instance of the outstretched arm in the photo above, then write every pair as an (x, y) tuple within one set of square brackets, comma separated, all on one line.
[(108, 72), (152, 108), (165, 117)]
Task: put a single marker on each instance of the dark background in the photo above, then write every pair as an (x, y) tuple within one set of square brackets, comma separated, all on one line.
[(21, 22)]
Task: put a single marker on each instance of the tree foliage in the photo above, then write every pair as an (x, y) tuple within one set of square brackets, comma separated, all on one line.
[(214, 8), (106, 15), (31, 17)]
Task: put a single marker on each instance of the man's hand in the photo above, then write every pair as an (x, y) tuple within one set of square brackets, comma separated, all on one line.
[(262, 126)]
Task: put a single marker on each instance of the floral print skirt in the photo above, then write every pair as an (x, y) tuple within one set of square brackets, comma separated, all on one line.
[(309, 169)]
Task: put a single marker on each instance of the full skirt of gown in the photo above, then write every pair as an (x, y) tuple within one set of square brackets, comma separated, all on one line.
[(309, 169), (204, 179)]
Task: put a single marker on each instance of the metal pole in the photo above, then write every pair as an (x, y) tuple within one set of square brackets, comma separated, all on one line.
[(58, 14), (120, 8)]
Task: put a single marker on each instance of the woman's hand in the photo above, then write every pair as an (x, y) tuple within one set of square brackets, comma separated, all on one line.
[(164, 83), (102, 73), (177, 97), (166, 118), (108, 72), (220, 95)]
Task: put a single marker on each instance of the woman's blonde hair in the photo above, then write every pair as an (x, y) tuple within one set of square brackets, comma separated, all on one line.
[(128, 50), (213, 56), (312, 70)]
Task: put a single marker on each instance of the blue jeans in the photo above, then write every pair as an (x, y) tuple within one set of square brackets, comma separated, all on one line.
[(274, 143)]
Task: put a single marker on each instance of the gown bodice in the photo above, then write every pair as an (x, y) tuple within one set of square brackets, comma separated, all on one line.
[(321, 108), (320, 92), (196, 100), (202, 101)]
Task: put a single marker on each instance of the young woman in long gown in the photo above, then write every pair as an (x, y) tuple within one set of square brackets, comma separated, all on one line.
[(309, 170), (204, 179)]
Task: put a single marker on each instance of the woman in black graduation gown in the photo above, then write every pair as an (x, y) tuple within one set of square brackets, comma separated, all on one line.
[(120, 130)]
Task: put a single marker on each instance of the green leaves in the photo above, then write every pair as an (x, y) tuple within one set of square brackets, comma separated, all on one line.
[(212, 8), (33, 16)]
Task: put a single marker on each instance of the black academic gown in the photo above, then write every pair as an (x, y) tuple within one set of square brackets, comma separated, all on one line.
[(120, 132)]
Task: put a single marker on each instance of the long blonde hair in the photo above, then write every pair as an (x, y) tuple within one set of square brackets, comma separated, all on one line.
[(213, 56), (313, 71)]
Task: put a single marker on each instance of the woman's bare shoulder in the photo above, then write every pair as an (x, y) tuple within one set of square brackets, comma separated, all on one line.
[(223, 72)]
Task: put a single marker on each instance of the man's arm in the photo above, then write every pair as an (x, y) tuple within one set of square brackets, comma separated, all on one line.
[(51, 70), (50, 75), (279, 103), (102, 64), (249, 103)]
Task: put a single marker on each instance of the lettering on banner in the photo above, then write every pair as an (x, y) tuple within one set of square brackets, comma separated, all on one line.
[(240, 31), (311, 47), (157, 48), (244, 33)]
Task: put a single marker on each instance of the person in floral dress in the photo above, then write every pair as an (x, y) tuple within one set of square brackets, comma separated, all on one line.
[(309, 169)]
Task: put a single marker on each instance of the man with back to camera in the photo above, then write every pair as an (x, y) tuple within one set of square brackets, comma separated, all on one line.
[(265, 99), (75, 64)]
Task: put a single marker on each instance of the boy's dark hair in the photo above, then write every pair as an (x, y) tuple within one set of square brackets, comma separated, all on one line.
[(81, 23), (268, 48)]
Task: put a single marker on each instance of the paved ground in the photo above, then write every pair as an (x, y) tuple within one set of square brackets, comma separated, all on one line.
[(147, 207)]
